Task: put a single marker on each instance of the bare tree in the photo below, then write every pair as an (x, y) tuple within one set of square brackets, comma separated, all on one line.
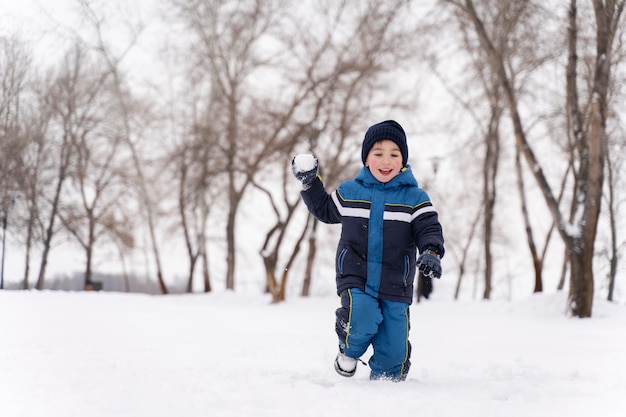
[(15, 63), (613, 208), (615, 164), (614, 199), (227, 37), (578, 237), (310, 258), (591, 146), (490, 173), (274, 239), (194, 164), (464, 256), (129, 109), (512, 27), (188, 202), (98, 178), (61, 101), (194, 168)]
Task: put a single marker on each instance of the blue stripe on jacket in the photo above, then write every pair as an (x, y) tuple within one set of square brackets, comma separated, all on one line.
[(375, 242)]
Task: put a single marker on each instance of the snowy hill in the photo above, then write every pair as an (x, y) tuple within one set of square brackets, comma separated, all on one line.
[(224, 354)]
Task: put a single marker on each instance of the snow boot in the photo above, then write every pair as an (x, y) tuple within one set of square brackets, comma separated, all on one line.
[(345, 365)]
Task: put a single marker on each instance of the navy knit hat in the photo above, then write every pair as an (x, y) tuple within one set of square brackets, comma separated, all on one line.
[(390, 130)]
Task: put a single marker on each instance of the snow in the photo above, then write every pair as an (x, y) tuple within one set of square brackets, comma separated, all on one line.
[(304, 162), (232, 354)]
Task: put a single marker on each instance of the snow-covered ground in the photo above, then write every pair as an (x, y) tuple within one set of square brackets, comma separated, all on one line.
[(226, 354)]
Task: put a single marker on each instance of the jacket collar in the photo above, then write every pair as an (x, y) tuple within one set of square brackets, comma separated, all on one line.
[(403, 179)]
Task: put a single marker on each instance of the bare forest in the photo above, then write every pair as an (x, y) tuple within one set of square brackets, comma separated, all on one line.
[(157, 143)]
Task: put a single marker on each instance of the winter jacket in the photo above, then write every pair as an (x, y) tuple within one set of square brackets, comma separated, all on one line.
[(383, 226)]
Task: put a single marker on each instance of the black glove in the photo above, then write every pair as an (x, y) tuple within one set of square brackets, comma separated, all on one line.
[(427, 286), (304, 168), (429, 264)]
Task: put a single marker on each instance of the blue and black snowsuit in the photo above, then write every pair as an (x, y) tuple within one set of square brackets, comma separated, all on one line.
[(383, 226)]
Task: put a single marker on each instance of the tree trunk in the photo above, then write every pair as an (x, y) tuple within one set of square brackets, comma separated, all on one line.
[(29, 244), (490, 172), (581, 255), (581, 283), (204, 254), (88, 251), (613, 254), (192, 269), (64, 161), (271, 283), (285, 275), (310, 258), (463, 260), (563, 275), (155, 249), (230, 247), (205, 271), (536, 261)]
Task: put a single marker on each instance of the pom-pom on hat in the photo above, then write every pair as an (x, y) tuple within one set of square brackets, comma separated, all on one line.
[(390, 130)]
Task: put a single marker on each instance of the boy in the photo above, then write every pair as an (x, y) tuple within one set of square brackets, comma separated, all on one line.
[(385, 219)]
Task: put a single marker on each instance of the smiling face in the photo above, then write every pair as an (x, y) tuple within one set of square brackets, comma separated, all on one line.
[(384, 160)]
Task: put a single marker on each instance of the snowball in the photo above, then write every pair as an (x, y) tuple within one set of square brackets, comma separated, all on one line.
[(304, 162)]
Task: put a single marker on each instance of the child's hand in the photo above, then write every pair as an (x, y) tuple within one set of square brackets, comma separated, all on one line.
[(429, 264), (304, 168)]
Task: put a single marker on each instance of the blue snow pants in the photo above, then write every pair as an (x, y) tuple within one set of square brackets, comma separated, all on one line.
[(363, 320)]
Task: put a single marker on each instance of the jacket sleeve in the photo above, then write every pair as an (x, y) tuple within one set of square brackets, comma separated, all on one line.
[(428, 233), (320, 203)]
